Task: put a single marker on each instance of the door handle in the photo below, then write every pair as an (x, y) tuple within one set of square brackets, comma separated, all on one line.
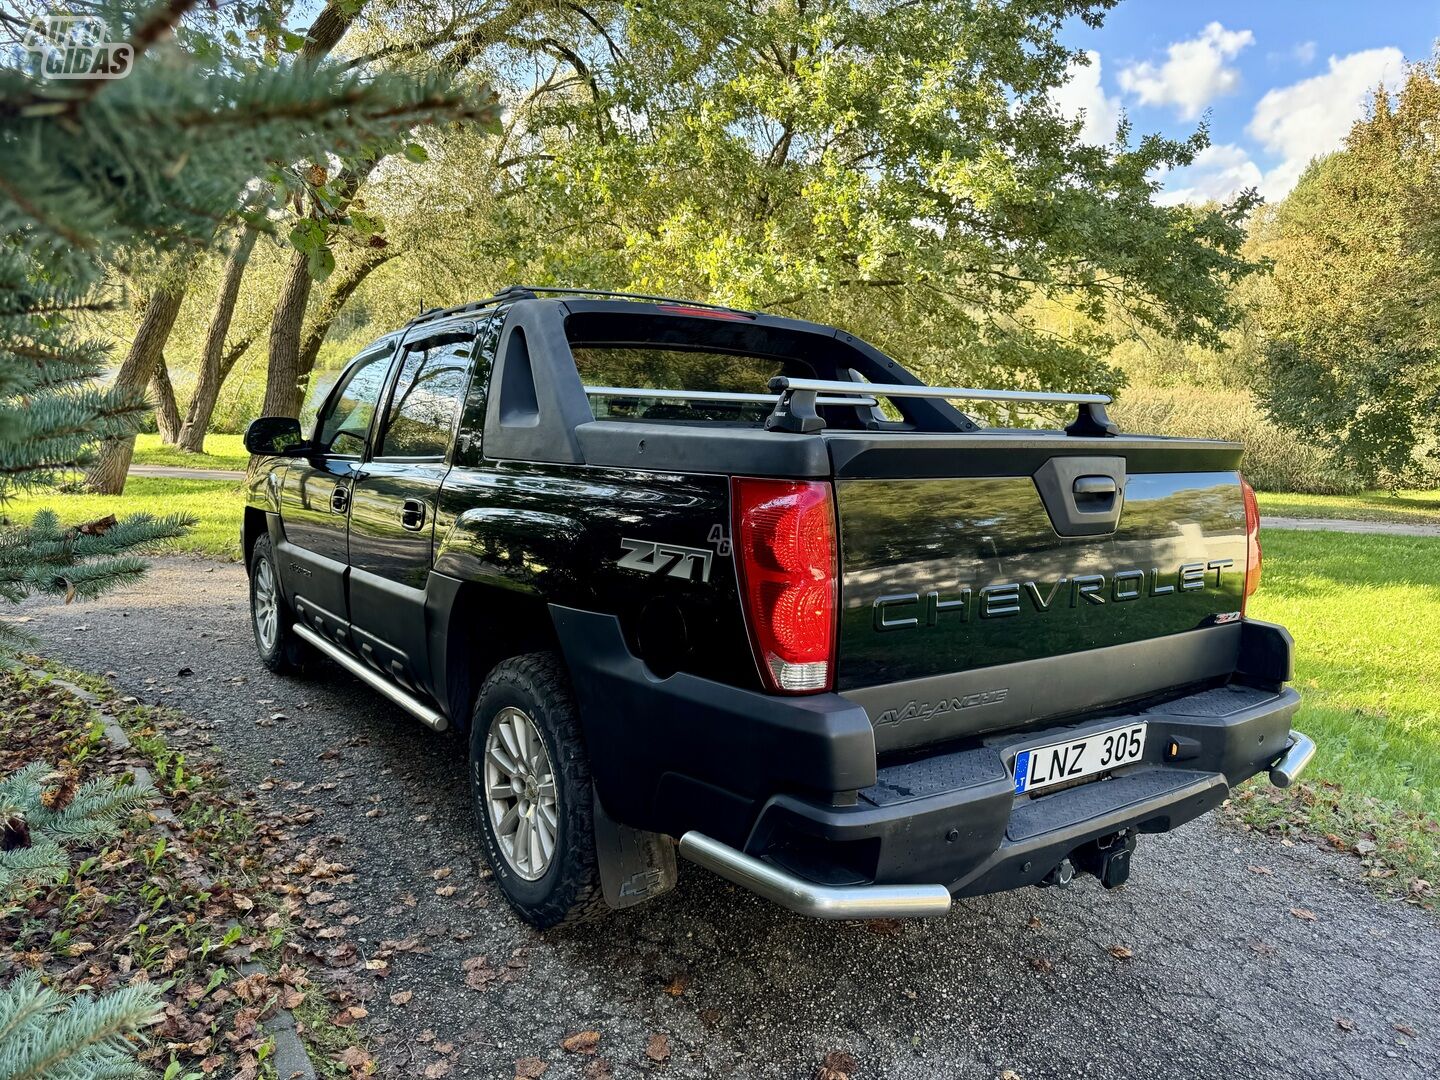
[(339, 499), (412, 515)]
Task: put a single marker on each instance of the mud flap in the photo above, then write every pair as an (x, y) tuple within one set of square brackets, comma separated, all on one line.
[(635, 866)]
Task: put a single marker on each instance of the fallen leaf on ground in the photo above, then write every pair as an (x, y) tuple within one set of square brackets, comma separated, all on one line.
[(354, 1057), (1042, 963), (838, 1065), (1122, 952), (883, 927), (350, 1014), (1344, 1023), (599, 1069), (1303, 914), (1406, 1029), (1260, 870), (657, 1048), (441, 874), (402, 997), (677, 986), (582, 1042), (529, 1068), (445, 890), (436, 1069)]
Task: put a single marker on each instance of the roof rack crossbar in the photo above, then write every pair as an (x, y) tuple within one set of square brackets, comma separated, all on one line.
[(531, 292), (717, 396), (795, 411)]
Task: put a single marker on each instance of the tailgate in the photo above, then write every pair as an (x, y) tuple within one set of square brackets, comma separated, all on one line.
[(1010, 578)]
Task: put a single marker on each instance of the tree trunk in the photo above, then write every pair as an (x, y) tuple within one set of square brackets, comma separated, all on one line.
[(330, 309), (283, 375), (107, 475), (232, 356), (167, 411), (212, 377)]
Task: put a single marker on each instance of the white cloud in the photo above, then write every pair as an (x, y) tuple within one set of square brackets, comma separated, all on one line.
[(1304, 52), (1194, 74), (1309, 118), (1218, 172), (1082, 93)]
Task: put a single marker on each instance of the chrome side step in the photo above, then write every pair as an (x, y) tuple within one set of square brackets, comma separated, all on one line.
[(431, 718), (808, 898), (1293, 762)]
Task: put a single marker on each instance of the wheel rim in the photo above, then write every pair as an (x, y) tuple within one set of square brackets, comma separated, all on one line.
[(520, 795), (266, 605)]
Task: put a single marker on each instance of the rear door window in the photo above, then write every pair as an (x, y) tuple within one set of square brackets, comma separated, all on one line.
[(426, 400)]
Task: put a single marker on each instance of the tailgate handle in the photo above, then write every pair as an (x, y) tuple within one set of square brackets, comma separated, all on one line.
[(1083, 495), (1094, 493)]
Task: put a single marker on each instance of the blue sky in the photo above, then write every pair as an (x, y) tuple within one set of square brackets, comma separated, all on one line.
[(1280, 82)]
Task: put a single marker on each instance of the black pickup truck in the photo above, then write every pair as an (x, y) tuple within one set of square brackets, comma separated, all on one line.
[(678, 572)]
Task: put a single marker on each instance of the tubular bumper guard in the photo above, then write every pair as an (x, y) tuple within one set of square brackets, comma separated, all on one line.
[(806, 897)]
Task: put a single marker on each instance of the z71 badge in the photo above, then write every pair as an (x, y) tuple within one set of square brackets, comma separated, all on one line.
[(673, 560)]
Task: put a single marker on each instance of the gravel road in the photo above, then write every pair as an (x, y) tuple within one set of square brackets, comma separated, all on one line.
[(1220, 979)]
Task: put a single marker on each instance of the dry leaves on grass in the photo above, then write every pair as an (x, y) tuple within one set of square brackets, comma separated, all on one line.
[(657, 1048)]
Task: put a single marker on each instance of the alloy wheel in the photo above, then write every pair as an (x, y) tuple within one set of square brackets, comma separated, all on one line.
[(520, 795)]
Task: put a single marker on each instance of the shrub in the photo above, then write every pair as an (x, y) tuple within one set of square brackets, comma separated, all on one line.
[(1275, 459)]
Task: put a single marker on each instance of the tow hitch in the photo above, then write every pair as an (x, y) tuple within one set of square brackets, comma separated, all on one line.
[(1108, 858)]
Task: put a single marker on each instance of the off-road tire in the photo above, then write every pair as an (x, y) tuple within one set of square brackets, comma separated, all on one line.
[(568, 891), (286, 654)]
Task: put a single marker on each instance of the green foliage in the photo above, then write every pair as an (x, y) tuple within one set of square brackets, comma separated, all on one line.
[(100, 176), (900, 170), (215, 506), (46, 1037), (1276, 459), (1351, 319), (37, 828)]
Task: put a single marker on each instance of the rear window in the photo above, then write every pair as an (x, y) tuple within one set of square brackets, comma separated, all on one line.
[(647, 367)]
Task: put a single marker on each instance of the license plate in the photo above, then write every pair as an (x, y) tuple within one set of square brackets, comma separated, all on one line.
[(1055, 763)]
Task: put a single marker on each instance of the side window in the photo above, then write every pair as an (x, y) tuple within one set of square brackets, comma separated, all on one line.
[(344, 429), (426, 400)]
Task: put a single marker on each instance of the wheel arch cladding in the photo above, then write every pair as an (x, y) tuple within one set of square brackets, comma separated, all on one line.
[(476, 627)]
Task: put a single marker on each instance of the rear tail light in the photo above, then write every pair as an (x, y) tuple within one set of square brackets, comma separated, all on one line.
[(785, 555), (1252, 541)]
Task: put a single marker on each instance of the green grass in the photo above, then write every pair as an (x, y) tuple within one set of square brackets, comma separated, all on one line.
[(216, 503), (1406, 507), (221, 452), (1365, 613)]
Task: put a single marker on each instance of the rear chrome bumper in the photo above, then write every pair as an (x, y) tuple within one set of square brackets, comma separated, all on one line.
[(1293, 762), (809, 898)]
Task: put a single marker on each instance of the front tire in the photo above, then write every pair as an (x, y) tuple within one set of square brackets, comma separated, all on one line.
[(530, 785), (280, 650)]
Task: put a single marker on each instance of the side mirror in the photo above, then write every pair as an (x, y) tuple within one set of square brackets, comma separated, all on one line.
[(273, 436)]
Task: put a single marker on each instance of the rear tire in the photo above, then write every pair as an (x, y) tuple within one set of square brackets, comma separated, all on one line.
[(270, 617), (530, 786)]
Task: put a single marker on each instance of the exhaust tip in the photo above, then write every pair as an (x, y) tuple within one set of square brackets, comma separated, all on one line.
[(1294, 761)]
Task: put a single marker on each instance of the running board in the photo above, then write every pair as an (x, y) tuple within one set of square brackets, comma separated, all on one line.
[(808, 898), (431, 718)]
